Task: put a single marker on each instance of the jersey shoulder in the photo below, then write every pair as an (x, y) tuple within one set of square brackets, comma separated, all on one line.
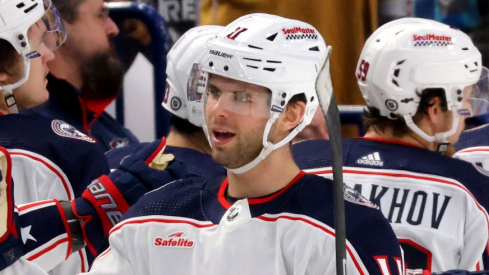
[(180, 198), (474, 137), (197, 163), (77, 155)]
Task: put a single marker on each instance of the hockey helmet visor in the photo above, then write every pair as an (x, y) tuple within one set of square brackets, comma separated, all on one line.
[(232, 95)]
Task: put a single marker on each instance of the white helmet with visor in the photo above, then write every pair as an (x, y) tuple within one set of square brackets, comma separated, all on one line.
[(17, 17), (405, 57), (182, 56), (280, 54)]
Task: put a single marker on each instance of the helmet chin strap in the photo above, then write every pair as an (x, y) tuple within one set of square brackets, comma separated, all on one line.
[(7, 90), (440, 138), (268, 147)]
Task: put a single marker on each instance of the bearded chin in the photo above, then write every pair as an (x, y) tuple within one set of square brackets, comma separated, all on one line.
[(102, 75)]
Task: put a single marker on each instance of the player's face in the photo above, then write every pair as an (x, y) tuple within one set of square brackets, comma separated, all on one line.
[(90, 32), (33, 92), (236, 114)]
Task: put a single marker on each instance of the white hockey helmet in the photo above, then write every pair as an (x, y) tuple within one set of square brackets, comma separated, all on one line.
[(408, 55), (277, 53), (17, 17), (185, 52)]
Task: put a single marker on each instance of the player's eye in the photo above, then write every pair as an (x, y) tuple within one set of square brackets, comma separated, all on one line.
[(214, 92)]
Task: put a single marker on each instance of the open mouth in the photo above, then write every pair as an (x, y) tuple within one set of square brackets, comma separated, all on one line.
[(222, 137)]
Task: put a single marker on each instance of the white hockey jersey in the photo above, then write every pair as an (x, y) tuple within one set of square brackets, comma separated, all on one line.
[(188, 227), (435, 204), (50, 159)]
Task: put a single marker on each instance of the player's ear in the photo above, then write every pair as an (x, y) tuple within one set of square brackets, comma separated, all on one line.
[(434, 111), (292, 115), (3, 77)]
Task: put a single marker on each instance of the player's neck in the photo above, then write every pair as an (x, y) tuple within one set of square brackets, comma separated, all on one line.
[(410, 138), (63, 68), (196, 141), (272, 174), (3, 106)]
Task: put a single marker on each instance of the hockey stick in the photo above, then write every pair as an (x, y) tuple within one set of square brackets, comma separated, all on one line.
[(327, 102)]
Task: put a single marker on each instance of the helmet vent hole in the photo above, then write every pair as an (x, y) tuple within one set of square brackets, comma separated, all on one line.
[(273, 61), (272, 37), (400, 62), (396, 72), (395, 82), (254, 67), (312, 98), (226, 68), (465, 49), (211, 64), (477, 64), (315, 49), (392, 115), (252, 59), (269, 69), (30, 8), (378, 40), (466, 66), (255, 47), (21, 5)]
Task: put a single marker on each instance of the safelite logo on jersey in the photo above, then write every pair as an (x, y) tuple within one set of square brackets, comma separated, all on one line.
[(175, 240)]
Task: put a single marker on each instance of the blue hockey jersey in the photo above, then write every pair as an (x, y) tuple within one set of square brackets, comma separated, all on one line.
[(188, 227), (51, 159), (473, 146), (435, 204), (197, 163)]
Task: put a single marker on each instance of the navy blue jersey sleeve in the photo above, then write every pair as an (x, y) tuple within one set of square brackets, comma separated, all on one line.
[(373, 239), (116, 155)]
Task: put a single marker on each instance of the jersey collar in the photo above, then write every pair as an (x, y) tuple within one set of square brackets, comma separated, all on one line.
[(224, 185)]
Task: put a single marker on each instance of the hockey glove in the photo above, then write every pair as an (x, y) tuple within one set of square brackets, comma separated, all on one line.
[(10, 243), (106, 199)]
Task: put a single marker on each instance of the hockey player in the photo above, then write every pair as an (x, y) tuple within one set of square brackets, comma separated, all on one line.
[(473, 145), (186, 139), (87, 74), (51, 159), (45, 233), (266, 216), (416, 76)]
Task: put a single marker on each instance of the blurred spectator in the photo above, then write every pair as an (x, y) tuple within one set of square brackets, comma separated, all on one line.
[(87, 74), (316, 130)]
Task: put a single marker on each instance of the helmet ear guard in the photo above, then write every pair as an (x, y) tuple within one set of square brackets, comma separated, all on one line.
[(409, 55), (282, 55)]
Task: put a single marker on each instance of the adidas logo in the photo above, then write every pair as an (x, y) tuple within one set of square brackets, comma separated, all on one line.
[(371, 159)]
